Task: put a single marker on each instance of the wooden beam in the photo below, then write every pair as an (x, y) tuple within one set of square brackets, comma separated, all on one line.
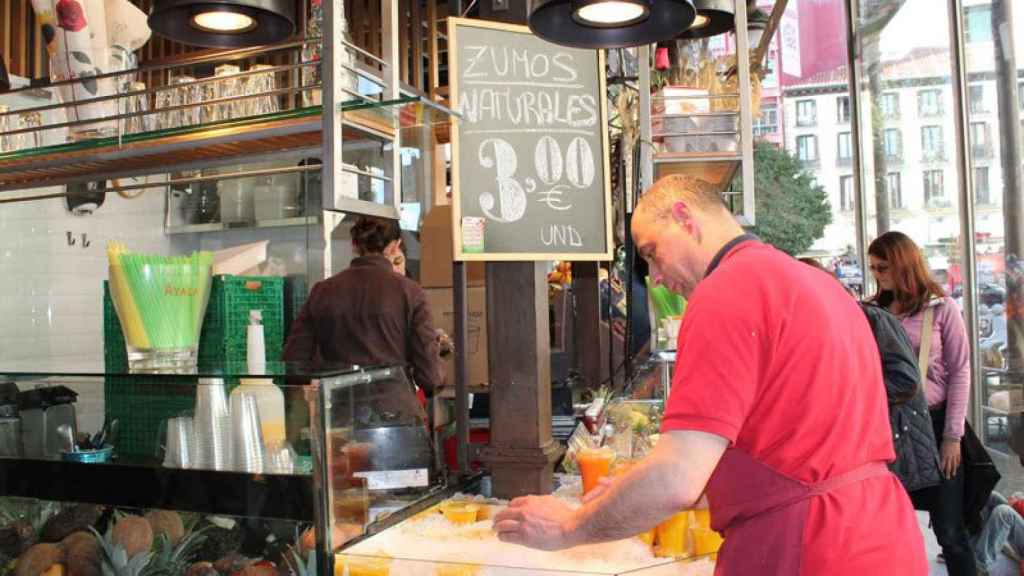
[(587, 326), (432, 19), (521, 454), (773, 24)]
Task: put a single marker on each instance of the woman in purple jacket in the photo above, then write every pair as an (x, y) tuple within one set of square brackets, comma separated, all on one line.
[(906, 289)]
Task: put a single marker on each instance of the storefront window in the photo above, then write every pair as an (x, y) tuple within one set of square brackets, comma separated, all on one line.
[(992, 152)]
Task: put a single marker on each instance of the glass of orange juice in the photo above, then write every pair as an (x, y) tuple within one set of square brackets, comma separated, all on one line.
[(673, 541), (595, 463)]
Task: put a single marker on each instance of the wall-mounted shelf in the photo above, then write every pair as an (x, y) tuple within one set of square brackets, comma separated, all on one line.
[(219, 227)]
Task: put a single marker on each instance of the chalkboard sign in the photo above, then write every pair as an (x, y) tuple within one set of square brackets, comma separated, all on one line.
[(530, 174)]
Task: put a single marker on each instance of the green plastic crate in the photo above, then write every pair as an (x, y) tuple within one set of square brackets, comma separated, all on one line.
[(141, 404)]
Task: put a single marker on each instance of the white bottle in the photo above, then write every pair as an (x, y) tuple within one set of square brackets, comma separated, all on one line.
[(269, 398)]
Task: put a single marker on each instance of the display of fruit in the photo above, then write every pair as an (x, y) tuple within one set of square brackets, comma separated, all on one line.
[(38, 559), (55, 570), (168, 524), (70, 520), (82, 554)]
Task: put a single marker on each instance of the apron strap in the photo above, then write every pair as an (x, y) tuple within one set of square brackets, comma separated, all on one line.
[(924, 351)]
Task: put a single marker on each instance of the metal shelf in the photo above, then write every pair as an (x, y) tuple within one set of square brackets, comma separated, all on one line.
[(146, 484), (716, 168), (292, 133)]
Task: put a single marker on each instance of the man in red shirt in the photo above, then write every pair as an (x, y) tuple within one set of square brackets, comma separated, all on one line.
[(777, 413)]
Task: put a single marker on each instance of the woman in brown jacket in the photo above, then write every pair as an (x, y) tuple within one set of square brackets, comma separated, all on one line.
[(367, 314)]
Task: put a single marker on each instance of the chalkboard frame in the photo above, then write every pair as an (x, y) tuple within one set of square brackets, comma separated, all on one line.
[(602, 96)]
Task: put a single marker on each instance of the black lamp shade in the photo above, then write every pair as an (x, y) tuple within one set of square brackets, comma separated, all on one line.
[(720, 18), (556, 22), (273, 21)]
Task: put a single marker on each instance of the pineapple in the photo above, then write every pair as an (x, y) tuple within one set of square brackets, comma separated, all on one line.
[(115, 559), (171, 560)]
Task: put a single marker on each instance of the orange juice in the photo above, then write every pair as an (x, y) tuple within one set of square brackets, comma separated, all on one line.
[(647, 537), (595, 463), (703, 518), (672, 536), (458, 512)]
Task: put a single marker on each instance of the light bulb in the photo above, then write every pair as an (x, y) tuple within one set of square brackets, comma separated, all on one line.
[(610, 13), (220, 21)]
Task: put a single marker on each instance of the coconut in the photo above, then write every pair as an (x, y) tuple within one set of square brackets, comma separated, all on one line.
[(38, 559), (167, 523), (82, 554), (69, 521), (134, 534)]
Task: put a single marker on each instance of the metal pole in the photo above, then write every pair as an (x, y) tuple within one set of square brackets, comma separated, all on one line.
[(331, 118), (1004, 44), (966, 188), (646, 165), (746, 114), (856, 82)]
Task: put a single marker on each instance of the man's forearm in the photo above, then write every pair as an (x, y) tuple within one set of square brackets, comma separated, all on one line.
[(634, 504), (671, 479)]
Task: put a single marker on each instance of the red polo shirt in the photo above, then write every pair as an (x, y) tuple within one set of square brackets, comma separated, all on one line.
[(775, 357)]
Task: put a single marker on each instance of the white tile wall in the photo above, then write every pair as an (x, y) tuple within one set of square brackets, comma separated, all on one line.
[(51, 306)]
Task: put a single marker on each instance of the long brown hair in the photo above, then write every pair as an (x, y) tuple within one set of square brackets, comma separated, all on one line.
[(913, 286)]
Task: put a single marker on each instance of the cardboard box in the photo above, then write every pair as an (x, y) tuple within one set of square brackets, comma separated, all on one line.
[(442, 309), (437, 250)]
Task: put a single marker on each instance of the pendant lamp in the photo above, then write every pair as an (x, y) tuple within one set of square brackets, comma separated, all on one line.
[(714, 17), (609, 23), (224, 23)]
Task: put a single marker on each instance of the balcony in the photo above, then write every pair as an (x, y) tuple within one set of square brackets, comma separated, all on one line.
[(939, 204), (933, 155), (811, 163), (894, 159), (844, 161), (806, 121), (931, 112)]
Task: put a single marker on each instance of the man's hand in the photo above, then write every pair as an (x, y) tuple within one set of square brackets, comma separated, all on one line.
[(542, 522), (949, 456)]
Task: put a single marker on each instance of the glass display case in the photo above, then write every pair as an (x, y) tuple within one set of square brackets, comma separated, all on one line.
[(352, 481)]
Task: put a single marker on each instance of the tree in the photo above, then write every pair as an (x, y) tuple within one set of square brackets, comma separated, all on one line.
[(792, 208)]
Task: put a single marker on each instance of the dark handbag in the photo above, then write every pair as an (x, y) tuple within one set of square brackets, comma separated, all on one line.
[(980, 477), (980, 474)]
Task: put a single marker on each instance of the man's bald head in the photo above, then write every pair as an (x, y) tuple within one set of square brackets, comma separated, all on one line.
[(695, 193)]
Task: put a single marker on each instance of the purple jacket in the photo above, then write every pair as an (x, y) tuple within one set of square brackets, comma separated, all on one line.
[(949, 365)]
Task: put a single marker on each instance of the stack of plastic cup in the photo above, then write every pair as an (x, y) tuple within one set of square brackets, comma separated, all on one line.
[(212, 426), (180, 440), (247, 435)]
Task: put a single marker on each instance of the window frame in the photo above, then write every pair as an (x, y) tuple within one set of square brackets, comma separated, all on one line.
[(930, 196), (922, 112), (813, 138), (803, 120), (898, 189), (847, 197)]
